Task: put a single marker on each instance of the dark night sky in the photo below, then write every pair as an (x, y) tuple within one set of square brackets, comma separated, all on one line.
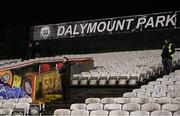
[(28, 12)]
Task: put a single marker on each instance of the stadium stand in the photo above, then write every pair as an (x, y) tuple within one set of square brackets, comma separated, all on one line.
[(150, 93), (158, 97)]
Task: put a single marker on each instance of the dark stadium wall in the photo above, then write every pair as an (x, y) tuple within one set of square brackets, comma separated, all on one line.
[(109, 43), (93, 44)]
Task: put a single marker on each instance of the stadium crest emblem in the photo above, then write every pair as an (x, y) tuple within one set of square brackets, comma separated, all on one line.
[(45, 32)]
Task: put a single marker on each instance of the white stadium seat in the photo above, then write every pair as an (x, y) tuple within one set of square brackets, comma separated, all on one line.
[(162, 100), (62, 112), (140, 113), (171, 107), (131, 107), (78, 106), (122, 100), (177, 113), (94, 106), (23, 105), (118, 113), (28, 100), (108, 100), (92, 100), (99, 113), (150, 107), (79, 113), (161, 113), (129, 94), (141, 100), (110, 107)]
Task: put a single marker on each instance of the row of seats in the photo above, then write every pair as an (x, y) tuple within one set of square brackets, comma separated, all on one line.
[(119, 68), (16, 100), (101, 80), (140, 100), (67, 112), (13, 106), (9, 61), (21, 106), (126, 107)]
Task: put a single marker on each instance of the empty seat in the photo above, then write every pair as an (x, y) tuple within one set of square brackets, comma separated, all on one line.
[(152, 90), (99, 113), (131, 107), (177, 89), (173, 94), (142, 94), (62, 112), (108, 100), (147, 87), (2, 112), (8, 111), (122, 100), (75, 79), (92, 100), (167, 83), (28, 100), (154, 83), (110, 107), (94, 106), (23, 105), (140, 113), (138, 90), (9, 105), (103, 81), (2, 100), (160, 87), (112, 80), (78, 106), (150, 107), (141, 100), (171, 107), (158, 94), (159, 79), (177, 82), (18, 112), (118, 113), (161, 101), (177, 113), (84, 80), (133, 79), (122, 80), (93, 81), (161, 113), (176, 100), (14, 100), (173, 87), (79, 113), (129, 94)]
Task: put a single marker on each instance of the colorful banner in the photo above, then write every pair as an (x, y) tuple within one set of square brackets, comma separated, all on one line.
[(16, 81), (155, 21), (28, 84), (6, 77), (47, 83)]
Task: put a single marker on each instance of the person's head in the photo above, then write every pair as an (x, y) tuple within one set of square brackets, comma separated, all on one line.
[(30, 45), (37, 43), (167, 41), (65, 59)]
